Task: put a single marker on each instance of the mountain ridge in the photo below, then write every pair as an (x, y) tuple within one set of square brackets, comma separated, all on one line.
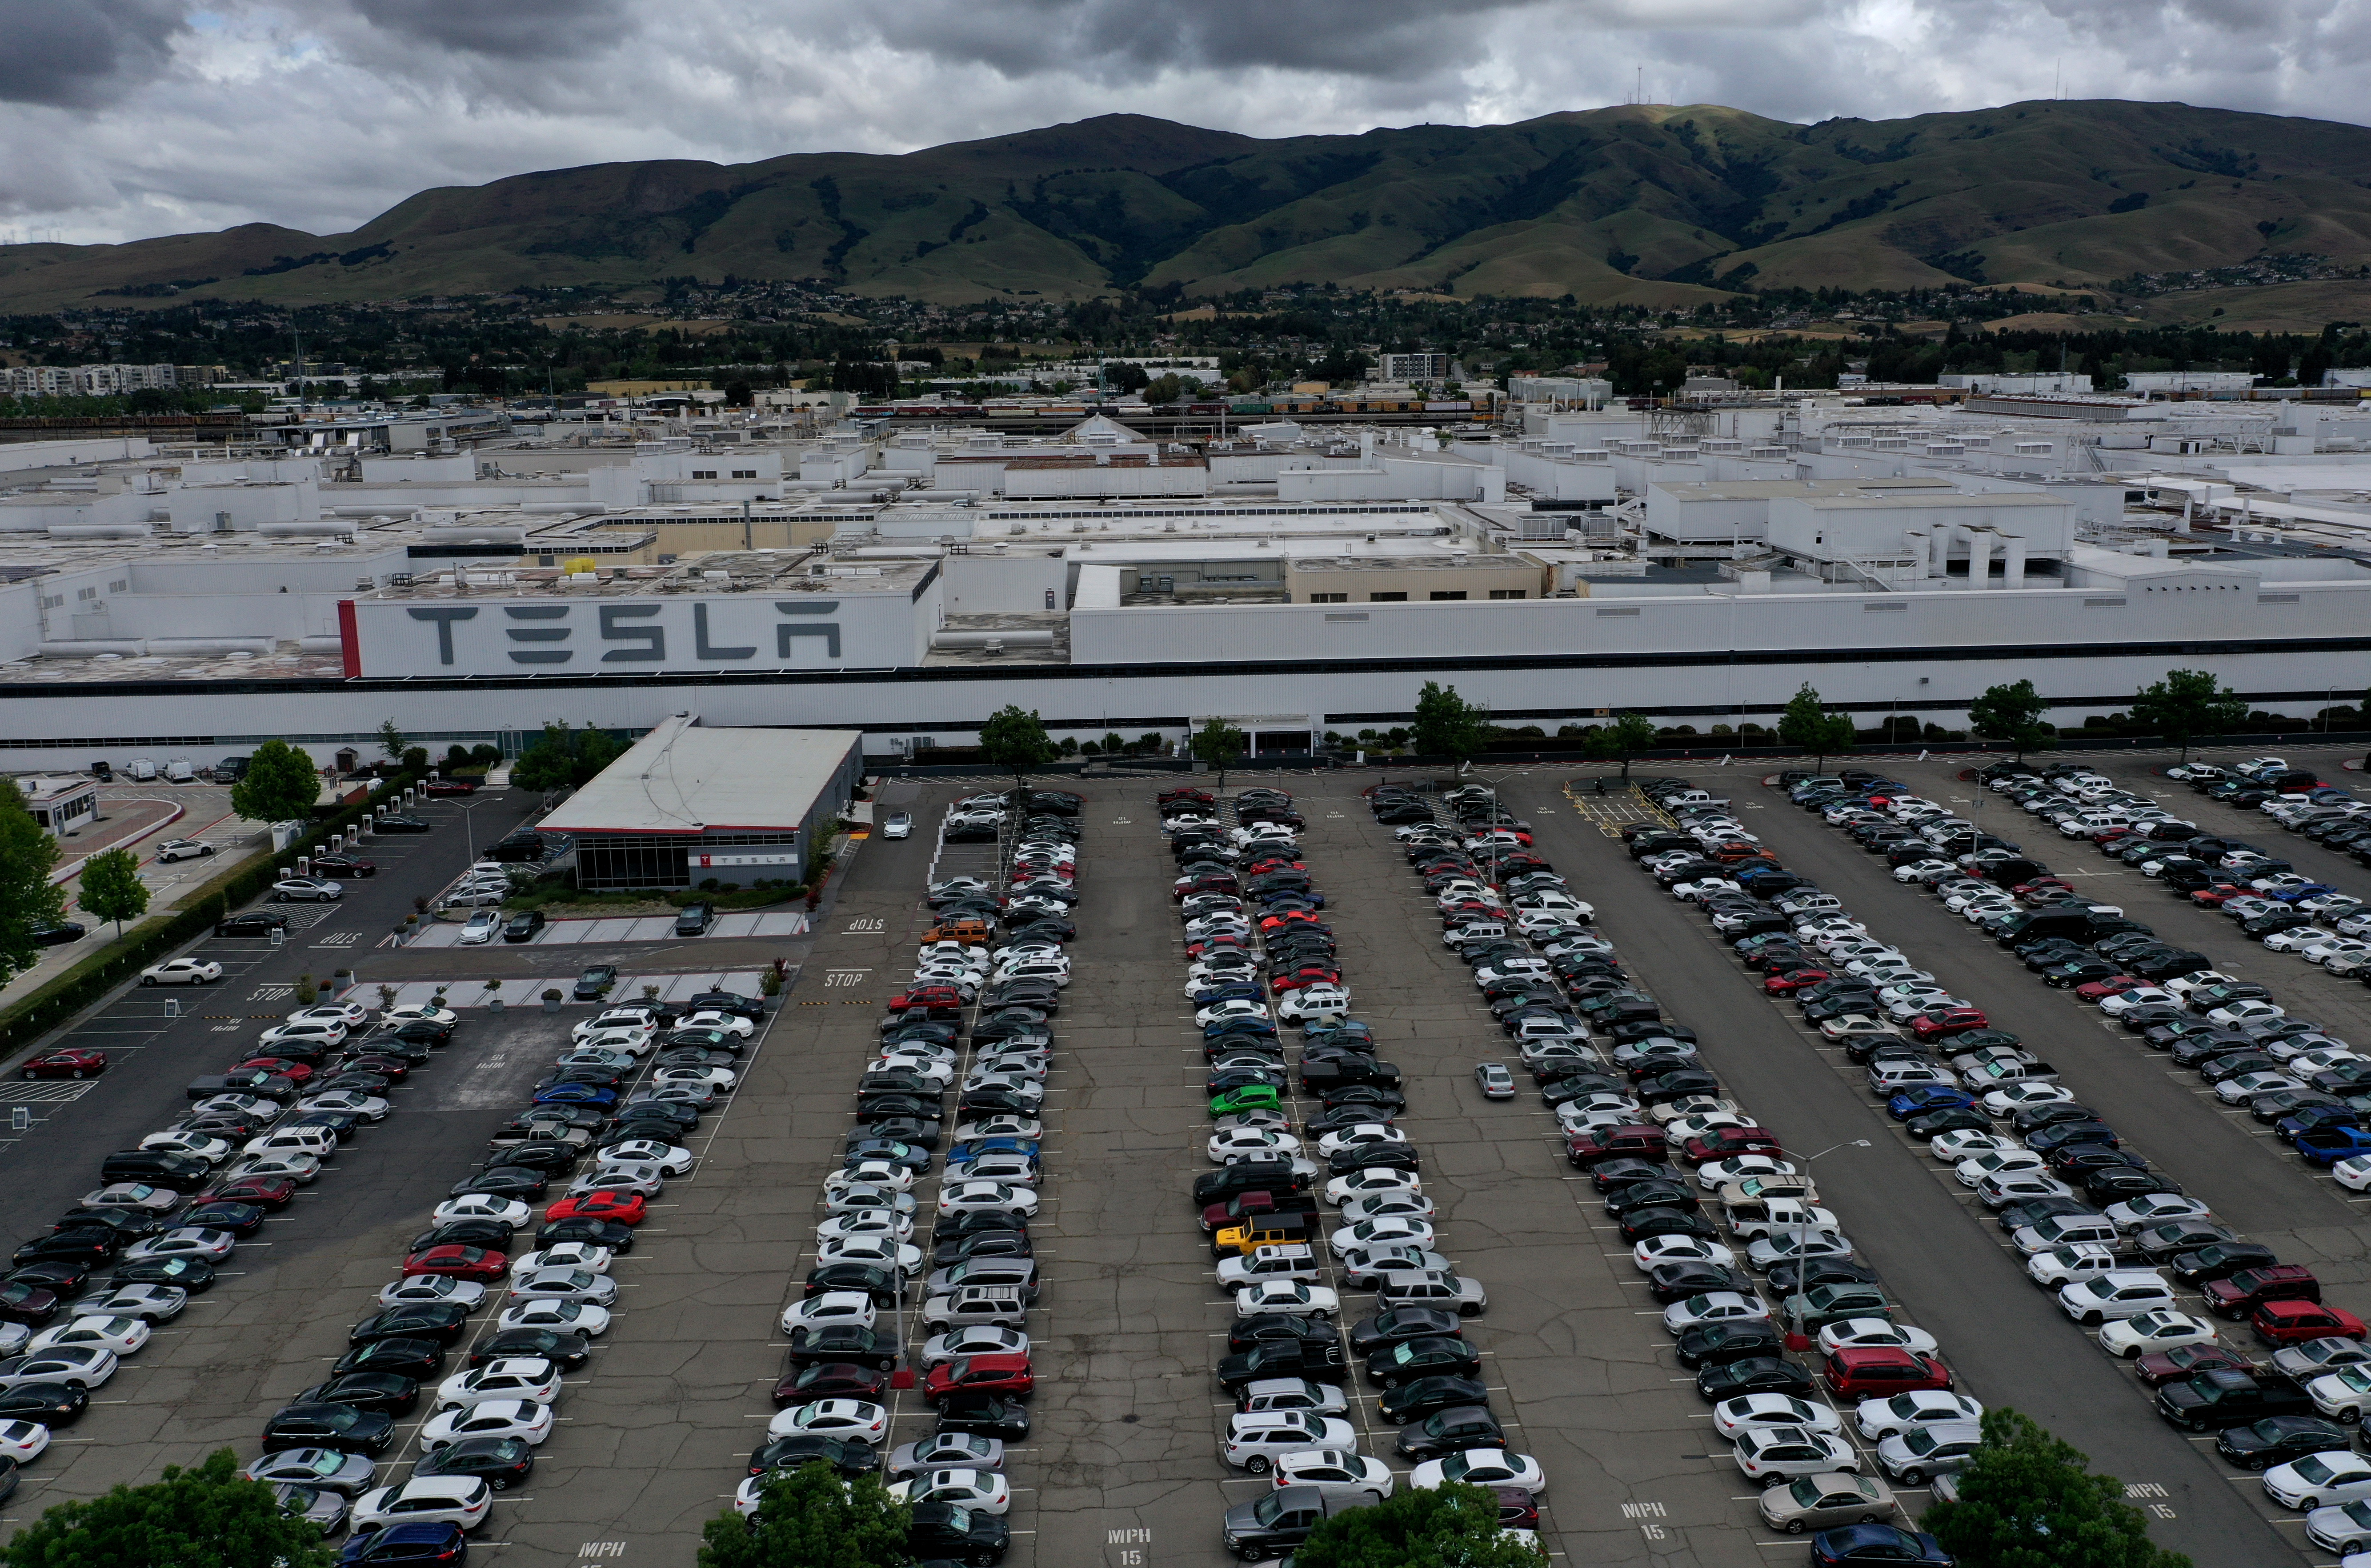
[(1633, 204)]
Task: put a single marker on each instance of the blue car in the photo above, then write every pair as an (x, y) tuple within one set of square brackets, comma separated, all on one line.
[(2310, 1118), (1877, 1543), (2327, 1146), (577, 1094), (1255, 1028), (2311, 890), (1235, 991), (1919, 1099), (973, 1149), (416, 1546)]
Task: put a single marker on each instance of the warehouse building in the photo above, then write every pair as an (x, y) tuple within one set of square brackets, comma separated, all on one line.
[(688, 804)]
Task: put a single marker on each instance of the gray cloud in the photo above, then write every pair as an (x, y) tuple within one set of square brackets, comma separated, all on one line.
[(123, 118), (513, 30), (77, 52)]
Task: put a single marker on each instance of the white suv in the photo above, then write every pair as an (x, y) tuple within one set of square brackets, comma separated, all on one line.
[(1256, 1440)]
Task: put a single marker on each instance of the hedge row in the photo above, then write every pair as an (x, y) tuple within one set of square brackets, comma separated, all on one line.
[(94, 977)]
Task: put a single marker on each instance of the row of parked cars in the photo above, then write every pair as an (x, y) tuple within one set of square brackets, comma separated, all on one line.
[(607, 1125), (170, 1210), (2120, 1243), (1707, 1199), (1260, 955), (974, 1021)]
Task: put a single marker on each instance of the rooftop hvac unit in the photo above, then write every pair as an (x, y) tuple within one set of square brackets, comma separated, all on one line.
[(1890, 443), (2034, 448), (1768, 452)]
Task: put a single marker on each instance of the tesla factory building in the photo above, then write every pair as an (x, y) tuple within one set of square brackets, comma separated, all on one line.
[(687, 806)]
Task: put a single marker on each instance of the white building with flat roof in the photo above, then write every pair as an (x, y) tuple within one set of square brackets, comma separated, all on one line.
[(688, 804)]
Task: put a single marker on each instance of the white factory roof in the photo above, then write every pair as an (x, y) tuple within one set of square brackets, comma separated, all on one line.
[(682, 777)]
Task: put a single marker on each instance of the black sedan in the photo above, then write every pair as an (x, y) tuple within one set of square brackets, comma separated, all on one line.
[(850, 1460), (567, 1351), (388, 1392), (501, 1463), (426, 1319), (1396, 1324), (415, 1358), (983, 1415), (581, 1228), (1435, 1356), (1426, 1396), (1268, 1328), (1755, 1374), (50, 1404), (1711, 1343), (1451, 1432), (2278, 1439), (342, 1428)]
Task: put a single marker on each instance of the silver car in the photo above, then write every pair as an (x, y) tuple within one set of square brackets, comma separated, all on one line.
[(317, 1504), (961, 1449), (1944, 1449), (312, 889), (324, 1469)]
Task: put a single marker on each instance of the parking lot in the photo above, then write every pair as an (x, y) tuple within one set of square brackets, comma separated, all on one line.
[(1121, 1465)]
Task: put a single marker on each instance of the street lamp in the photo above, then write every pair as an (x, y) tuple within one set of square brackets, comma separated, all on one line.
[(1803, 1228)]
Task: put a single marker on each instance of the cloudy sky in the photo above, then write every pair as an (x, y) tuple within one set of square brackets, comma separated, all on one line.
[(121, 119)]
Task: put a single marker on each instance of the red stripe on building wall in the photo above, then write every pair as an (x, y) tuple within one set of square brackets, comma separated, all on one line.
[(350, 638)]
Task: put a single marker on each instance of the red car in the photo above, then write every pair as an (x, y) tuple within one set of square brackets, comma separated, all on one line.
[(2043, 887), (2213, 895), (456, 1261), (619, 1208), (2293, 1322), (266, 1192), (1273, 923), (1874, 1371), (1273, 863), (830, 1381), (1009, 1376), (296, 1073), (1794, 980), (2097, 991), (1723, 1142), (1949, 1021), (1307, 974), (1209, 882), (1599, 1144), (448, 787), (927, 999), (2163, 1367), (77, 1063), (1216, 944)]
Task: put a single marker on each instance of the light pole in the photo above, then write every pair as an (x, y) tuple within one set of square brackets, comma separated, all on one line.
[(1803, 1229)]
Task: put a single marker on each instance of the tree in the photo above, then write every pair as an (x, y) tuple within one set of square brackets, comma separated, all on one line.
[(1416, 1528), (1624, 738), (1216, 744), (27, 900), (1016, 739), (1807, 726), (1164, 389), (111, 888), (2028, 1501), (203, 1517), (566, 758), (280, 785), (810, 1518), (2187, 706), (2011, 715), (1448, 725), (392, 741)]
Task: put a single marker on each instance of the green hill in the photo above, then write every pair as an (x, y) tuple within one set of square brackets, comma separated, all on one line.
[(1636, 204)]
